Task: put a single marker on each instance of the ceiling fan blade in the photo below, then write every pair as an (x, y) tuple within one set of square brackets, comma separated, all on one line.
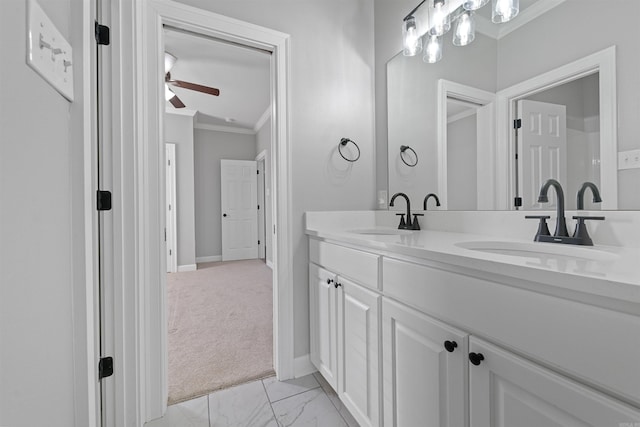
[(175, 101), (193, 86)]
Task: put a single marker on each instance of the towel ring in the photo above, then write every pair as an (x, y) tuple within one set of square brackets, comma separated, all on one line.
[(404, 148), (345, 141)]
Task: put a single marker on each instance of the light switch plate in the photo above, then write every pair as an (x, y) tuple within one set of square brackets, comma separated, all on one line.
[(48, 53), (629, 159)]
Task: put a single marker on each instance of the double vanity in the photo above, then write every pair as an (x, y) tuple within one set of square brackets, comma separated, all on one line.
[(440, 327)]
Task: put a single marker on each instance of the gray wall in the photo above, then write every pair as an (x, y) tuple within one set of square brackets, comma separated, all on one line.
[(42, 266), (263, 143), (332, 69), (462, 170), (210, 148), (178, 129)]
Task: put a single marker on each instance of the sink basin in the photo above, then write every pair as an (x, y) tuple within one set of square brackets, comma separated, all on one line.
[(381, 231), (539, 250)]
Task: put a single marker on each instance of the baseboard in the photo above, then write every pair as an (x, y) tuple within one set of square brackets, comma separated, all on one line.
[(188, 267), (302, 366), (270, 264), (214, 258)]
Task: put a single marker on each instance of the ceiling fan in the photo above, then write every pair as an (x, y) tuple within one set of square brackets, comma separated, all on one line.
[(169, 61)]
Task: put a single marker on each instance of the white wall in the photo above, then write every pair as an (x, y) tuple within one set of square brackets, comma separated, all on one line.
[(178, 130), (210, 148), (42, 270), (263, 143), (332, 69)]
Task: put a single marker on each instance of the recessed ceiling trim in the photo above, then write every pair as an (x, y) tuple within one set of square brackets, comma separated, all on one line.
[(486, 27), (228, 129), (215, 39), (181, 112)]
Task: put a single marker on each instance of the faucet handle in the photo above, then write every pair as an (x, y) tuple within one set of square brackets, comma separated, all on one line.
[(416, 224), (581, 231), (402, 225), (543, 229)]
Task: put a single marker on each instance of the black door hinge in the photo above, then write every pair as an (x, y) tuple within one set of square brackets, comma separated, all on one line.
[(258, 172), (105, 367), (102, 34), (258, 241), (258, 207), (517, 202), (517, 123), (104, 200)]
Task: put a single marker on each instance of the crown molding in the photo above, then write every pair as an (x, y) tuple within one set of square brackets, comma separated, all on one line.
[(263, 119), (228, 129), (182, 112)]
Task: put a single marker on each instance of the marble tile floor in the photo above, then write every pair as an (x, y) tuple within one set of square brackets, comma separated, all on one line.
[(307, 401)]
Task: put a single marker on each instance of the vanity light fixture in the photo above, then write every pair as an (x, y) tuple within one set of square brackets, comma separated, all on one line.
[(465, 31), (435, 19), (441, 19), (410, 36), (433, 50), (504, 10)]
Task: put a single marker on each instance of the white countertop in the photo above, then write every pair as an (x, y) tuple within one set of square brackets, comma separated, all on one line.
[(616, 275)]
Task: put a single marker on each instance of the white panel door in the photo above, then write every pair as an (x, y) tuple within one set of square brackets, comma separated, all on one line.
[(323, 322), (239, 209), (542, 153), (424, 384), (507, 391), (358, 369)]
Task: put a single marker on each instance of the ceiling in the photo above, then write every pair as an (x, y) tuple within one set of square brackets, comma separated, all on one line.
[(242, 75)]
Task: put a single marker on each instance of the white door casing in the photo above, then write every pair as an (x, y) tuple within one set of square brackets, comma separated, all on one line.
[(170, 202), (239, 210), (542, 150), (262, 238)]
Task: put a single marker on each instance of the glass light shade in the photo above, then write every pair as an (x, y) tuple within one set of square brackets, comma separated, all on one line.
[(465, 31), (169, 61), (411, 39), (504, 10), (474, 4), (433, 50), (440, 19)]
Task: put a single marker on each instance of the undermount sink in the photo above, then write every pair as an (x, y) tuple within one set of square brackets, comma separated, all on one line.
[(381, 231), (539, 250)]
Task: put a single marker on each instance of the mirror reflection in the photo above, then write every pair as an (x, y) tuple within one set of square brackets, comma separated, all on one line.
[(572, 88)]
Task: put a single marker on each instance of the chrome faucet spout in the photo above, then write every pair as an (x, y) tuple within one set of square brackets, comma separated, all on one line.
[(426, 199), (594, 191), (408, 223), (561, 224)]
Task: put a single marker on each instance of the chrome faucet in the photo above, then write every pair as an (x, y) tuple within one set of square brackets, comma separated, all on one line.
[(561, 223), (594, 191), (403, 225), (426, 199)]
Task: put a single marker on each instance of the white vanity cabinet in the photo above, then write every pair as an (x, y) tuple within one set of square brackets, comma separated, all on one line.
[(507, 390), (344, 327), (424, 369)]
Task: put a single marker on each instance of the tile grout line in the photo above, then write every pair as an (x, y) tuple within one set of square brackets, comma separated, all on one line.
[(297, 394), (334, 405), (209, 409), (270, 403)]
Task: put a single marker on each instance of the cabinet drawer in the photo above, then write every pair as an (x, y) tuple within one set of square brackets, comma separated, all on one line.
[(350, 263), (599, 345)]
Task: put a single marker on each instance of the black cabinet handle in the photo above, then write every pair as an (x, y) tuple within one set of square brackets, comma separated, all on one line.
[(329, 281), (450, 346), (338, 284), (476, 358), (224, 215)]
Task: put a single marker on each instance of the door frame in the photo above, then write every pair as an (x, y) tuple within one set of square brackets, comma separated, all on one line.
[(171, 228), (602, 62), (149, 369), (261, 160)]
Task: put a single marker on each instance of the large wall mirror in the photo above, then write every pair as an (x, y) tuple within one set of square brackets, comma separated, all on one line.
[(555, 93)]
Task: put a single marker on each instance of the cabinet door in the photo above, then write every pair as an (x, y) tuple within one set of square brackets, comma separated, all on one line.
[(323, 322), (424, 384), (358, 368), (506, 390)]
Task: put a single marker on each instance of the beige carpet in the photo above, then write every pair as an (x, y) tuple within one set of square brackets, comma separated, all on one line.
[(220, 327)]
